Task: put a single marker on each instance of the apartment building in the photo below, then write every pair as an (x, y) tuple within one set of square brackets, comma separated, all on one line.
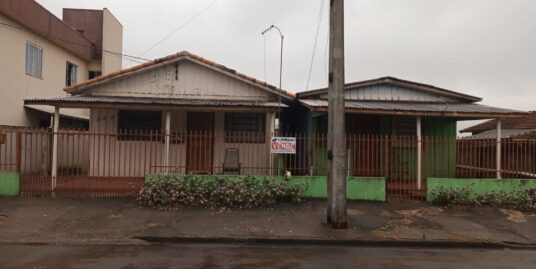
[(42, 54)]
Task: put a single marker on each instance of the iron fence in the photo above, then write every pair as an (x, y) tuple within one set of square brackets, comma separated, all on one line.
[(93, 164)]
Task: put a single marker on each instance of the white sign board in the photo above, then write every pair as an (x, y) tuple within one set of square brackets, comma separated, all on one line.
[(283, 145)]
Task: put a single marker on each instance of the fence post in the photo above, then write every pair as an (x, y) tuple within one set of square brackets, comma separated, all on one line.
[(419, 154), (55, 129), (167, 141), (498, 149), (19, 152), (386, 155)]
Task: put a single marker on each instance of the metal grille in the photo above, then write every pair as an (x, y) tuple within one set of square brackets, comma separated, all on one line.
[(104, 165)]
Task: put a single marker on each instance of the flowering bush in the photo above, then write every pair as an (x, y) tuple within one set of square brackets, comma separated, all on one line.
[(524, 199), (242, 192)]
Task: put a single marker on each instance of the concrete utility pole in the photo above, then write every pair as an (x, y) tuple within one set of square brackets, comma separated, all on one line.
[(337, 154)]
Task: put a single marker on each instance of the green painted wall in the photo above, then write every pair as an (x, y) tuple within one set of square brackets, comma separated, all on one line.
[(479, 186), (9, 184), (441, 154), (358, 188), (442, 149)]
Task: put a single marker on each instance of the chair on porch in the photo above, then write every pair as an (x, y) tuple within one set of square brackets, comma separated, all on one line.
[(231, 164)]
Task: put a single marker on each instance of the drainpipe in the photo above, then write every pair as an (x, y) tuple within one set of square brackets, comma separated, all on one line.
[(167, 141), (419, 154), (498, 148), (55, 129)]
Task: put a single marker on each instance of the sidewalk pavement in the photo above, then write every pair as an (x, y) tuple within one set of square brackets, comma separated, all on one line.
[(47, 220)]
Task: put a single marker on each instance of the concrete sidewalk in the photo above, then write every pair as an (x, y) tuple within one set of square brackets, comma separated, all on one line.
[(47, 220)]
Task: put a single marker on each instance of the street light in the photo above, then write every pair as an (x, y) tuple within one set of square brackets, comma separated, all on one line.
[(280, 70)]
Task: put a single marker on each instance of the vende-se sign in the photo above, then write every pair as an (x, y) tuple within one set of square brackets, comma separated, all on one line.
[(283, 145)]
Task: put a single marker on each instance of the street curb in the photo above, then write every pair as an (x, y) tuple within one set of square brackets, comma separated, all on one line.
[(445, 244)]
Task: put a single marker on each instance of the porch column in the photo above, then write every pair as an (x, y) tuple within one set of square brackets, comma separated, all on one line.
[(55, 129), (167, 141), (419, 154), (498, 152)]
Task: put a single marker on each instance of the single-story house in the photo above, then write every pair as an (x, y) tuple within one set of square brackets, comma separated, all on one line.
[(387, 120), (181, 113)]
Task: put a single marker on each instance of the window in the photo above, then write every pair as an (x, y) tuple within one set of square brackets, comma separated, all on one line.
[(245, 127), (94, 74), (34, 60), (404, 126), (70, 74), (137, 124)]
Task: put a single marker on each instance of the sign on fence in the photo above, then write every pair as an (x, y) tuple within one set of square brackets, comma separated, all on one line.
[(283, 145)]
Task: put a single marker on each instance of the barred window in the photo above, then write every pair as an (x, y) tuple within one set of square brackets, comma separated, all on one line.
[(137, 124), (34, 60), (245, 127), (404, 126)]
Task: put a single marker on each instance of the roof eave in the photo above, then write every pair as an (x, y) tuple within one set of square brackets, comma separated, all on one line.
[(472, 115)]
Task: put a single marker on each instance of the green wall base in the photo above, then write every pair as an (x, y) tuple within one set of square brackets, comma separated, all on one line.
[(9, 184), (478, 186), (358, 188)]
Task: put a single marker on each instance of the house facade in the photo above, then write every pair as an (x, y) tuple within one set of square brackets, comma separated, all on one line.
[(46, 53), (181, 113), (403, 130)]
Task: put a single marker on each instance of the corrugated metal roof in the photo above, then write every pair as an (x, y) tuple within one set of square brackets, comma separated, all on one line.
[(71, 113), (525, 122), (151, 101), (505, 133), (395, 82), (415, 107)]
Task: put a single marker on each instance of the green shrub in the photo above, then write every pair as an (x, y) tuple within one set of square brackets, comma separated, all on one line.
[(523, 200), (446, 196), (240, 192)]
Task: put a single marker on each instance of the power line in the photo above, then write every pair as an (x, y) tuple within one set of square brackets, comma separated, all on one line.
[(318, 24), (264, 56), (179, 28), (133, 58)]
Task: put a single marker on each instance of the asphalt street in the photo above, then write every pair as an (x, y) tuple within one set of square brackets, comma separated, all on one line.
[(21, 256)]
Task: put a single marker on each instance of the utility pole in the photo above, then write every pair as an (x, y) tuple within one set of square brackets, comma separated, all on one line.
[(337, 154)]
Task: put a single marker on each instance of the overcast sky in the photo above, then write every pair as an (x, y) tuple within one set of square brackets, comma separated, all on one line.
[(485, 48)]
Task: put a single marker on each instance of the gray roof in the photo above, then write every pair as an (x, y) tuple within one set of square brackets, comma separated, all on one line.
[(505, 133), (452, 109), (115, 100), (393, 81)]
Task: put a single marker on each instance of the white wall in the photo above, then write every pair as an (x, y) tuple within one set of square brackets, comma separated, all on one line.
[(110, 157), (112, 40), (15, 85), (193, 81)]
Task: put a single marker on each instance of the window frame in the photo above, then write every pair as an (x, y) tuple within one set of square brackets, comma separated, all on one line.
[(124, 133), (69, 74), (257, 136), (28, 66)]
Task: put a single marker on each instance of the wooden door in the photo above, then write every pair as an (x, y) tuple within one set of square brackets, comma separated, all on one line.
[(200, 142)]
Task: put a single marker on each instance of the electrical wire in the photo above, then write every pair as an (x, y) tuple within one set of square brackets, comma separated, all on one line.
[(179, 28), (133, 58), (318, 24)]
